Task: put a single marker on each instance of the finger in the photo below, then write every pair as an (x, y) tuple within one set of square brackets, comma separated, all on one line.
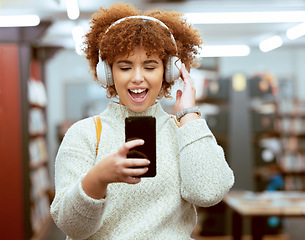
[(183, 72), (138, 162), (129, 145), (178, 95), (133, 180), (185, 75), (135, 172)]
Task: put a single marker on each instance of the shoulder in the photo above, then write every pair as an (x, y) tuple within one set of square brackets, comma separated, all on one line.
[(82, 127), (80, 137)]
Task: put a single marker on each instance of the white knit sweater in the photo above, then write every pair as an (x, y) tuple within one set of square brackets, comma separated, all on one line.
[(191, 170)]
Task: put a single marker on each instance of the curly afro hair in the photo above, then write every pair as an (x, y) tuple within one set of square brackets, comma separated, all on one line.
[(121, 39)]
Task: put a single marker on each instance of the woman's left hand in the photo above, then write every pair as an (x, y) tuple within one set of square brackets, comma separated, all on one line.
[(187, 97)]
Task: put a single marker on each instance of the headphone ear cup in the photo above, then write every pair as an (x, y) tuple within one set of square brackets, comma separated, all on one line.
[(104, 74), (172, 70)]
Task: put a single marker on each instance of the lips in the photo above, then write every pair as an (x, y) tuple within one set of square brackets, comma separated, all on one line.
[(138, 95)]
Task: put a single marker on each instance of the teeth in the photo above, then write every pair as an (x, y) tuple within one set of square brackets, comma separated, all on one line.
[(138, 90)]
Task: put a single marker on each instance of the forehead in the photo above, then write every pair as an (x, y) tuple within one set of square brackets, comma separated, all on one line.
[(138, 53)]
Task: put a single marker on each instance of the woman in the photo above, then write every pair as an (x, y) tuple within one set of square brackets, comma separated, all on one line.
[(102, 196)]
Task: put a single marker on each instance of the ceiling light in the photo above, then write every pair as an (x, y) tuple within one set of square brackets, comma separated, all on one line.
[(72, 9), (78, 35), (245, 17), (270, 43), (225, 51), (19, 21), (296, 31)]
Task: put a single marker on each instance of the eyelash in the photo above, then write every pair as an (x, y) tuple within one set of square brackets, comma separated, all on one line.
[(146, 68), (149, 68), (125, 68)]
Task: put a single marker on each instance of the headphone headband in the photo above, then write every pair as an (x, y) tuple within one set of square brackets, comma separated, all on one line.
[(145, 18)]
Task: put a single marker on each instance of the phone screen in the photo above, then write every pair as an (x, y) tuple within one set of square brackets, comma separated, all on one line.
[(142, 128)]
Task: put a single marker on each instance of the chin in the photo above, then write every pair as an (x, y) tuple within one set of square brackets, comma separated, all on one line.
[(138, 107)]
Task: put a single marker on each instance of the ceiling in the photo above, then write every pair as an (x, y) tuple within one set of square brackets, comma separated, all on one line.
[(60, 32)]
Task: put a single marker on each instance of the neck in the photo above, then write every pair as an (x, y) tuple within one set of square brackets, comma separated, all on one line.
[(124, 112)]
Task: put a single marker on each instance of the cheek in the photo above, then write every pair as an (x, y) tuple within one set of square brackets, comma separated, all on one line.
[(158, 78), (158, 82), (119, 79), (158, 87)]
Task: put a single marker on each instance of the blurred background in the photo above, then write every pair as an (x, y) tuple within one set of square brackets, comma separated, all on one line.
[(250, 89)]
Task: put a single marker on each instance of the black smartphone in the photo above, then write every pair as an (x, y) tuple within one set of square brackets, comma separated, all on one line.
[(142, 128)]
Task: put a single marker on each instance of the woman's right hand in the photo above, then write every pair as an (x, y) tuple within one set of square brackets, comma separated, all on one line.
[(115, 167), (118, 168)]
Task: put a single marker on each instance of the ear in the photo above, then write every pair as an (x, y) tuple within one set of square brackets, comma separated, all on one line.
[(104, 73), (172, 70)]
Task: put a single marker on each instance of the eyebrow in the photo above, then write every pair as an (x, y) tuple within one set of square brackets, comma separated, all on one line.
[(150, 61), (145, 62), (124, 61)]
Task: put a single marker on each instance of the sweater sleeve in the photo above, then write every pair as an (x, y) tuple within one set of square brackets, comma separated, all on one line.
[(205, 174), (74, 212)]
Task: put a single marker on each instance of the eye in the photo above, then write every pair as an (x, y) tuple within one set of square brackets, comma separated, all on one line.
[(125, 68), (150, 68)]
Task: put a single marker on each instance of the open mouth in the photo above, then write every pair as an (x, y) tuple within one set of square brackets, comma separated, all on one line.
[(138, 95)]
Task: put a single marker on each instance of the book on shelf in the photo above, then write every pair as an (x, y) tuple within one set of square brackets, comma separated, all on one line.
[(39, 213), (37, 124), (38, 152), (37, 93), (293, 162)]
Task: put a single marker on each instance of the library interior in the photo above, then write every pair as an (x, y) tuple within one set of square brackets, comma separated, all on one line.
[(250, 89)]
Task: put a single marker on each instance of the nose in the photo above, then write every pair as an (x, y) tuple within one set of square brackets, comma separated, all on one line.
[(138, 76)]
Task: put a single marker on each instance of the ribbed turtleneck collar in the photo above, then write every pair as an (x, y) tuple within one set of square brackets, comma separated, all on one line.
[(121, 112)]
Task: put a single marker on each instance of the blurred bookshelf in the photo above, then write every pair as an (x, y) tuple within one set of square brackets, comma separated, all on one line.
[(40, 187), (291, 125), (24, 174), (281, 137), (261, 127)]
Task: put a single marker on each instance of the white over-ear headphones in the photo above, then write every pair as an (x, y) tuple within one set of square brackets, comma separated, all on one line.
[(172, 69)]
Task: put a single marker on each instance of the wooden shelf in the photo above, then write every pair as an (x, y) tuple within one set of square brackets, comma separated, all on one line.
[(292, 115), (34, 105), (292, 172), (212, 101), (268, 134), (35, 166), (296, 150), (292, 134)]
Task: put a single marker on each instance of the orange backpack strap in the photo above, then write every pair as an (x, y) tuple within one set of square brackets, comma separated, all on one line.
[(175, 119), (98, 127)]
